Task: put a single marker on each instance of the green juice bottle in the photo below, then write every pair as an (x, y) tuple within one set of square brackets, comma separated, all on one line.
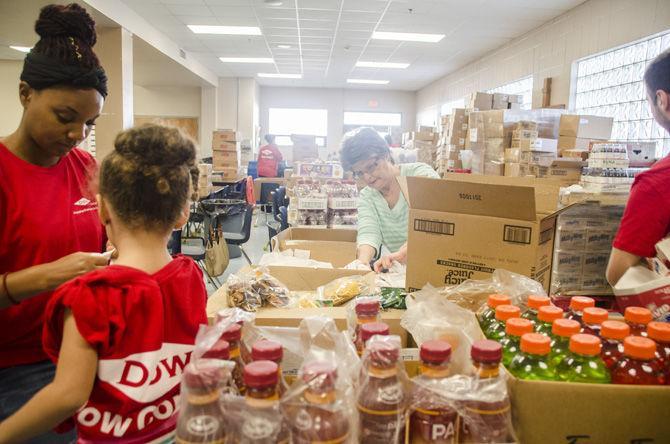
[(533, 361), (488, 312), (546, 316), (514, 329), (534, 303), (561, 331), (496, 330), (583, 363)]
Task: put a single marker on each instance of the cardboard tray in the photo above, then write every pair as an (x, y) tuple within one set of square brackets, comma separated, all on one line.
[(336, 246)]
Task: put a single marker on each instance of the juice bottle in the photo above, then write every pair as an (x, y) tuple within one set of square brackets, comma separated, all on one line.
[(533, 361), (638, 365), (485, 420), (265, 350), (381, 398), (220, 350), (514, 329), (546, 315), (432, 418), (367, 311), (262, 423), (583, 363), (496, 330), (488, 313), (612, 334), (637, 319), (233, 335), (201, 419), (372, 329), (592, 319), (660, 332), (577, 306), (534, 303), (319, 418), (561, 332)]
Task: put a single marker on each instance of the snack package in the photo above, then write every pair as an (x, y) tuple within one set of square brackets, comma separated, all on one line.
[(344, 289), (251, 289), (393, 298)]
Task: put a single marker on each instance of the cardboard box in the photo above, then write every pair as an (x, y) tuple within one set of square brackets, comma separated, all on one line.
[(574, 154), (479, 101), (225, 135), (641, 154), (337, 246), (512, 155), (224, 157), (566, 171), (537, 158), (575, 143), (585, 127), (512, 169), (226, 146), (467, 226), (539, 144), (224, 173), (259, 181), (494, 168)]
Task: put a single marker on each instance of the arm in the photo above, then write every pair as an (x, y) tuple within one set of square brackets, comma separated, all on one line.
[(620, 262), (425, 170), (70, 389), (369, 233), (386, 262)]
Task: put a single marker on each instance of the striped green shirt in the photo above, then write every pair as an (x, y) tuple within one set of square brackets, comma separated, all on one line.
[(380, 225)]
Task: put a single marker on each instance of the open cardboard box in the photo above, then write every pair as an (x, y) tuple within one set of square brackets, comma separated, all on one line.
[(466, 226), (336, 246)]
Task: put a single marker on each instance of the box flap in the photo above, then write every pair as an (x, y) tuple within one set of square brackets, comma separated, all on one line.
[(309, 279)]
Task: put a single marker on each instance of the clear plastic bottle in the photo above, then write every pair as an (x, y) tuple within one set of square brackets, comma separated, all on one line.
[(637, 319), (433, 420), (583, 363), (262, 423), (514, 329), (561, 332), (592, 319), (233, 335), (265, 350), (546, 316), (660, 333), (367, 311), (373, 329), (533, 361), (577, 306), (496, 330), (612, 334), (534, 303), (638, 365), (220, 350), (488, 314)]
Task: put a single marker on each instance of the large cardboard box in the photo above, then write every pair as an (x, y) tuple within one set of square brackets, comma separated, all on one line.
[(259, 181), (570, 142), (227, 158), (467, 226), (225, 135), (566, 171), (225, 173), (585, 127), (337, 246), (479, 101), (226, 146)]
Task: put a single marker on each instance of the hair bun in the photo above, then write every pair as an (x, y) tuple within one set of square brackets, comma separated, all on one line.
[(66, 21), (156, 145)]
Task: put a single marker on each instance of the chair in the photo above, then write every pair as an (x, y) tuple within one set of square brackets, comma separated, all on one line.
[(237, 228), (279, 220), (195, 248)]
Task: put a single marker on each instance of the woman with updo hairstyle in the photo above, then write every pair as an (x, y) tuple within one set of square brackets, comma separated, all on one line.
[(49, 230), (121, 335)]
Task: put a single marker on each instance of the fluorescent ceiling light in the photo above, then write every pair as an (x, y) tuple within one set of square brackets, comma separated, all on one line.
[(407, 36), (231, 30), (368, 81), (284, 46), (381, 65), (246, 59), (271, 75), (22, 48)]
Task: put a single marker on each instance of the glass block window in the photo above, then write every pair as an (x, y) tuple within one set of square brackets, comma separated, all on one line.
[(447, 107), (611, 84), (523, 87)]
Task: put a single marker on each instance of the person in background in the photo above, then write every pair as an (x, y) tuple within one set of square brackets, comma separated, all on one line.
[(141, 312), (382, 209), (646, 219), (49, 230), (269, 157)]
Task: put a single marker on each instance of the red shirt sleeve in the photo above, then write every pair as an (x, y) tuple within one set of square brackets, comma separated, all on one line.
[(645, 220)]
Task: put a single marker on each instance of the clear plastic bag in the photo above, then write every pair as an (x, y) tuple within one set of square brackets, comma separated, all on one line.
[(254, 421), (253, 288), (353, 323), (344, 289)]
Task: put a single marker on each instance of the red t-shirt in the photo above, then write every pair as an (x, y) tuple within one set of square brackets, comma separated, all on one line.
[(269, 157), (646, 219), (143, 328), (45, 214)]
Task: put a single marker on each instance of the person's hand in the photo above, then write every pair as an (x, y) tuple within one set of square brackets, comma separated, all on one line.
[(73, 265), (357, 265)]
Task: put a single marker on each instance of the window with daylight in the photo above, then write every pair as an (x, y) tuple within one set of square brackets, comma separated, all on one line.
[(382, 122), (286, 121), (611, 84), (523, 87), (447, 107)]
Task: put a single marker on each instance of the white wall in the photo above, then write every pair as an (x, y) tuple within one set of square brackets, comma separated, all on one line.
[(10, 70), (550, 50), (337, 101), (166, 101)]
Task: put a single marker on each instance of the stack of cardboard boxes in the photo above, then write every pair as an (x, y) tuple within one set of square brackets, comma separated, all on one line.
[(204, 180), (225, 154), (486, 139), (480, 101), (529, 155), (577, 132), (454, 134), (424, 142)]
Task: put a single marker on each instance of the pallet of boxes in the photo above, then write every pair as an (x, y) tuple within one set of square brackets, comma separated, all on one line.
[(205, 187), (452, 142), (225, 155)]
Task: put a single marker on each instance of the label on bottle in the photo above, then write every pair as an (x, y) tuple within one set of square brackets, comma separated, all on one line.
[(259, 428)]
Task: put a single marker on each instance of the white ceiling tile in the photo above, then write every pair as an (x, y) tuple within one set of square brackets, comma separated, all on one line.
[(329, 5), (189, 10)]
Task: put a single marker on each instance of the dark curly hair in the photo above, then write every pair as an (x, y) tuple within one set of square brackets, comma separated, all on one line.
[(147, 177)]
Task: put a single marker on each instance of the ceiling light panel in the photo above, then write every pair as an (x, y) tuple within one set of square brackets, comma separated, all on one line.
[(269, 75), (225, 30), (386, 65), (368, 81), (246, 59), (407, 36)]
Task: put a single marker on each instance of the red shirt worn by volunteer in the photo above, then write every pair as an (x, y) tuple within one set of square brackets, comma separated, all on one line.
[(143, 328), (269, 157), (646, 219), (45, 213)]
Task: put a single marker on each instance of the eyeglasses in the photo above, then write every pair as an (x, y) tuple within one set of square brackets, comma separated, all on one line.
[(368, 169)]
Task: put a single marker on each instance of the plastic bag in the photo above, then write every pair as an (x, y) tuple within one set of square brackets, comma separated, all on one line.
[(246, 320), (251, 289), (353, 323), (344, 289), (250, 421), (393, 298)]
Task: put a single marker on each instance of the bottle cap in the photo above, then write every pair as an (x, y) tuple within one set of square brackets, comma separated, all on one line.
[(536, 301), (535, 344), (579, 303), (383, 352), (504, 312), (659, 331), (498, 299), (435, 352), (549, 313), (370, 307), (565, 327), (614, 330), (319, 374), (584, 344), (594, 315), (204, 376), (518, 326), (220, 350), (232, 333), (487, 351), (373, 328), (637, 315), (639, 348), (265, 350), (261, 374)]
